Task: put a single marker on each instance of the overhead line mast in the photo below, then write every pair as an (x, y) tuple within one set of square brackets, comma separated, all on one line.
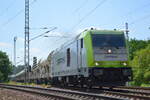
[(27, 44)]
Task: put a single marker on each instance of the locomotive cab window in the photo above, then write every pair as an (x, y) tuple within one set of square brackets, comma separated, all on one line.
[(81, 43), (108, 40), (68, 57)]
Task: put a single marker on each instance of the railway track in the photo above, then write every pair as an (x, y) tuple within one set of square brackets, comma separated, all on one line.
[(78, 94), (135, 91), (58, 94), (142, 89), (123, 92)]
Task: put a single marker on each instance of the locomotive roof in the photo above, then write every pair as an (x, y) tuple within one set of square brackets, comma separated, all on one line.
[(91, 31), (83, 34)]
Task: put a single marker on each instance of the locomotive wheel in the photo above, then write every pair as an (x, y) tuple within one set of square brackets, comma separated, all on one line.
[(89, 83), (81, 82)]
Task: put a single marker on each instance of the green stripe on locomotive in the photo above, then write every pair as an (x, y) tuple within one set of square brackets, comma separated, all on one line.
[(86, 35)]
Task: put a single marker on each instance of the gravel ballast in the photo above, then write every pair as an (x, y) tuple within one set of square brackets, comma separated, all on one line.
[(7, 94)]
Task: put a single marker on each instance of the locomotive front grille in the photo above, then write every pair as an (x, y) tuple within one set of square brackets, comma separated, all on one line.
[(109, 74)]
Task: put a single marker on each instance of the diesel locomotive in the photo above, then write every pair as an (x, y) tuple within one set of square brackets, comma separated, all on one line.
[(93, 58)]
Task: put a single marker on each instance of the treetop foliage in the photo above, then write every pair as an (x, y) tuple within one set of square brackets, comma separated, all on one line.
[(140, 61), (136, 45), (5, 66)]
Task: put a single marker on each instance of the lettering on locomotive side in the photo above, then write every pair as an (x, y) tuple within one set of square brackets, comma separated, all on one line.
[(60, 60)]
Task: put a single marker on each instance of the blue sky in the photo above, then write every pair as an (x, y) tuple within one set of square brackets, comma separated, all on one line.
[(65, 15)]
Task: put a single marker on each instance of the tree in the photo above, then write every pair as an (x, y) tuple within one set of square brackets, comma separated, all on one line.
[(141, 66), (136, 45), (5, 66)]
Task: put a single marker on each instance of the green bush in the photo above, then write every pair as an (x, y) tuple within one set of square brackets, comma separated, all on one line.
[(5, 67), (141, 66)]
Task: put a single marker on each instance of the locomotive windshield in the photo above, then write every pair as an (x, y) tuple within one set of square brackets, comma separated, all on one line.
[(108, 40)]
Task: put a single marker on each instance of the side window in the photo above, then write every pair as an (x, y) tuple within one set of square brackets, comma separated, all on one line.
[(81, 43), (68, 57)]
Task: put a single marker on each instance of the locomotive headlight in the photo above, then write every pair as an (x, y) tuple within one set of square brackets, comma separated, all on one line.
[(125, 64), (96, 64), (109, 51)]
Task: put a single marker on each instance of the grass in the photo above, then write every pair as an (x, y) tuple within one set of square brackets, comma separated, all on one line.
[(142, 85), (46, 86), (145, 85), (30, 84)]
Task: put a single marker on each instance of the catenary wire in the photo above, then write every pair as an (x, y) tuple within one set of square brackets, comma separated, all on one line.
[(81, 6), (140, 19), (88, 14), (17, 14), (8, 7), (138, 9), (42, 34)]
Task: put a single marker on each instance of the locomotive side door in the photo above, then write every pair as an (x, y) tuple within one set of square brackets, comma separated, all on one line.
[(79, 52)]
